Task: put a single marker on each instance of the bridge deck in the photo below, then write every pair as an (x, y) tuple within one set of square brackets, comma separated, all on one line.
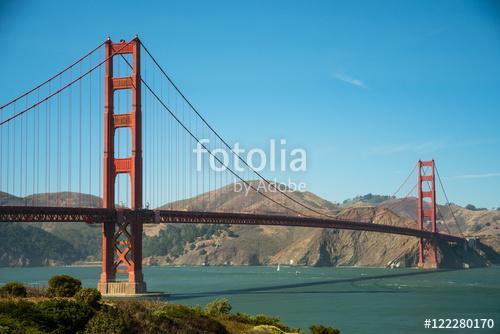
[(100, 215)]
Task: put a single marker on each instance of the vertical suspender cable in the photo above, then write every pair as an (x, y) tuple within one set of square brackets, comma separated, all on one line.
[(59, 143), (1, 158), (70, 132), (153, 148), (100, 116), (90, 135), (26, 140), (47, 151), (33, 161), (80, 142), (21, 156), (449, 205), (155, 143), (117, 148), (37, 149), (151, 154), (145, 109), (162, 142), (9, 154)]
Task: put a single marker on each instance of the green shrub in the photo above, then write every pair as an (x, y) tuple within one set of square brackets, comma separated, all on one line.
[(89, 296), (197, 309), (49, 316), (262, 319), (63, 286), (13, 289), (109, 320), (265, 329), (157, 317), (63, 315), (20, 316), (318, 329), (174, 311), (259, 320), (218, 307)]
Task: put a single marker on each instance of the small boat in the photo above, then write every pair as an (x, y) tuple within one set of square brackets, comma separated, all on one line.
[(278, 268)]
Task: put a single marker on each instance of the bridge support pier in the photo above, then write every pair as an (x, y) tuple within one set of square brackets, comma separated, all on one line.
[(122, 253), (427, 255)]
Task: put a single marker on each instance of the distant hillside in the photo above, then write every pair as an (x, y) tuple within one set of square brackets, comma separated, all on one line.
[(255, 245), (70, 199), (227, 199), (31, 246), (305, 246)]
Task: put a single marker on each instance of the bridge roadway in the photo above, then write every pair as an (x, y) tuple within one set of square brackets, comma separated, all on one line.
[(101, 215)]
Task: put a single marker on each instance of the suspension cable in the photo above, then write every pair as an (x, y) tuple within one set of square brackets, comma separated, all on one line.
[(225, 143), (60, 89), (52, 77), (448, 203), (406, 180), (211, 153)]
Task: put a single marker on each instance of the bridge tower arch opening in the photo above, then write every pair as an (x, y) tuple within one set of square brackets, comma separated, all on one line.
[(122, 238), (427, 248)]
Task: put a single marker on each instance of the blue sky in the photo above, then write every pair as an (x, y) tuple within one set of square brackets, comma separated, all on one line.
[(367, 88)]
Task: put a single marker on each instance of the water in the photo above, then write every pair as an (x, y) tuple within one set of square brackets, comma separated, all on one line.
[(355, 300)]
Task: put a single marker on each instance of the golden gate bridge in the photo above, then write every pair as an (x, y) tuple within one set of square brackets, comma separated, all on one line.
[(117, 128)]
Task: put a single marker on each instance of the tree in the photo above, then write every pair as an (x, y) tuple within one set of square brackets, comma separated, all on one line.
[(109, 320), (218, 307), (63, 286), (470, 207), (13, 289), (64, 315), (318, 329), (89, 296), (474, 208)]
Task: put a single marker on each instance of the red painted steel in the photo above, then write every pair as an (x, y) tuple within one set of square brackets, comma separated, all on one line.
[(99, 215), (427, 248), (122, 236)]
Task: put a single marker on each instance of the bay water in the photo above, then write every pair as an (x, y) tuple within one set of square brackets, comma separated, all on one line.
[(354, 300)]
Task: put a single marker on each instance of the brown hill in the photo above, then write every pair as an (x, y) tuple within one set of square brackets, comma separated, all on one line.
[(68, 199), (242, 245), (229, 199)]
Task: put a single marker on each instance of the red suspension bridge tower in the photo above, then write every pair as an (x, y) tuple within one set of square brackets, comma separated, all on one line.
[(122, 239), (427, 213)]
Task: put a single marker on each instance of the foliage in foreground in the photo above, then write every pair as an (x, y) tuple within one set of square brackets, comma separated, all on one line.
[(259, 320), (89, 296), (81, 310), (52, 315), (218, 307), (63, 286), (318, 329), (13, 289)]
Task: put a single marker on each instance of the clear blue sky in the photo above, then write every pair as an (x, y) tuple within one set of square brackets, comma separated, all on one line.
[(367, 88)]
